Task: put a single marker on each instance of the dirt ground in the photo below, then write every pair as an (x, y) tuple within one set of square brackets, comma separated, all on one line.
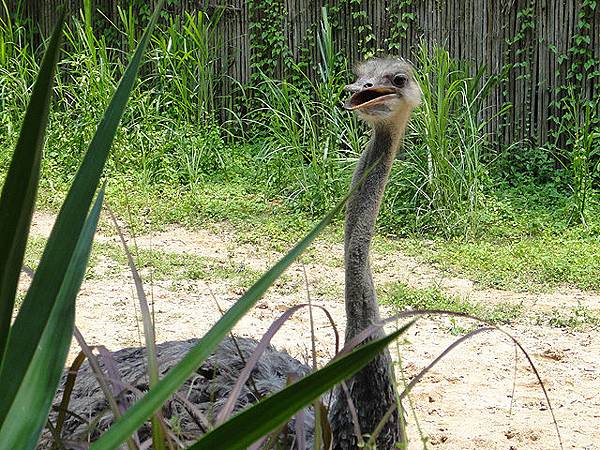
[(465, 402)]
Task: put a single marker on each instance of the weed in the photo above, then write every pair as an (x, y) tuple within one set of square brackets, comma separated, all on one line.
[(402, 296), (578, 317)]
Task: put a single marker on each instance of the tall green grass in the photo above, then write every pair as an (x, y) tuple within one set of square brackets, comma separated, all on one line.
[(310, 143), (18, 68), (307, 141), (294, 143), (447, 143), (169, 136), (579, 124)]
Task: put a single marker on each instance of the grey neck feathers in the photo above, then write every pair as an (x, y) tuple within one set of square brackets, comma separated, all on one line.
[(361, 213), (372, 389)]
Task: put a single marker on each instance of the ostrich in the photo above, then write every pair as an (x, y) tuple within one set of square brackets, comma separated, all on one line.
[(384, 95)]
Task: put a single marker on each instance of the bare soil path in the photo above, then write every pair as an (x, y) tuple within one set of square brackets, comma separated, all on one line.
[(465, 402)]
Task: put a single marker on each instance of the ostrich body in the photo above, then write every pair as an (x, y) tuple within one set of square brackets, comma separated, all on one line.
[(384, 95), (205, 391)]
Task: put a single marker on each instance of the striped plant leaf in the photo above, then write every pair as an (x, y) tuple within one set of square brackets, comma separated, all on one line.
[(20, 187)]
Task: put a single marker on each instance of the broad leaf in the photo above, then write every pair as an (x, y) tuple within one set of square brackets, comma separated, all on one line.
[(29, 411), (20, 187)]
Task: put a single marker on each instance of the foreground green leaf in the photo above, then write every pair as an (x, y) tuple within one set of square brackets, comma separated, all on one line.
[(242, 430), (20, 187), (27, 330), (29, 411)]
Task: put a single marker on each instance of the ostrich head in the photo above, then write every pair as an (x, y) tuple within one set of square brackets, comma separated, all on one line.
[(385, 91)]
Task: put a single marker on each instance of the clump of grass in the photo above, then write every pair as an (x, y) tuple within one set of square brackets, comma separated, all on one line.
[(402, 296), (303, 159), (177, 267), (443, 173), (187, 71), (526, 263), (528, 244), (578, 318)]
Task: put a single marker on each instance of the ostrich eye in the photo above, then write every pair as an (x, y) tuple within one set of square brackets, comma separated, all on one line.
[(399, 80)]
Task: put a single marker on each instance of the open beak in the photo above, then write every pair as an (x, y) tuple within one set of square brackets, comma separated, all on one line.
[(369, 97)]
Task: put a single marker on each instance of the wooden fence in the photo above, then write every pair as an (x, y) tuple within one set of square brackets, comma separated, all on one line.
[(527, 36)]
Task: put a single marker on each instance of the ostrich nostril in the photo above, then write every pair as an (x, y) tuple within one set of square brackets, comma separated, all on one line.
[(367, 85)]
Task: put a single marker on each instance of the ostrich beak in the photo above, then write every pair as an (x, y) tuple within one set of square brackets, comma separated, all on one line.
[(370, 97)]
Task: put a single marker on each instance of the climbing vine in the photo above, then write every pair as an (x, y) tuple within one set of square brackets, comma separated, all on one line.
[(576, 110), (582, 74), (400, 20), (364, 30), (270, 54), (518, 57)]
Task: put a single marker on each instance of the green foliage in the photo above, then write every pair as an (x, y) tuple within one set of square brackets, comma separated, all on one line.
[(403, 296), (179, 81), (186, 67), (270, 54), (519, 49), (301, 157), (305, 137), (578, 318), (288, 157), (523, 164), (528, 244), (574, 110), (20, 188), (400, 19), (364, 30), (444, 172), (577, 105)]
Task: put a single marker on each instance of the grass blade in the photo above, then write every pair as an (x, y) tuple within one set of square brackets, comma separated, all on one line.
[(272, 412), (68, 390), (39, 302), (138, 414), (26, 414), (20, 188), (149, 332), (109, 393)]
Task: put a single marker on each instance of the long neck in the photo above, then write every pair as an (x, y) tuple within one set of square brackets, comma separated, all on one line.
[(361, 213), (372, 389)]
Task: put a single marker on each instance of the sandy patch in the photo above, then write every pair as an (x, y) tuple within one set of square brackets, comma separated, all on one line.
[(466, 402)]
